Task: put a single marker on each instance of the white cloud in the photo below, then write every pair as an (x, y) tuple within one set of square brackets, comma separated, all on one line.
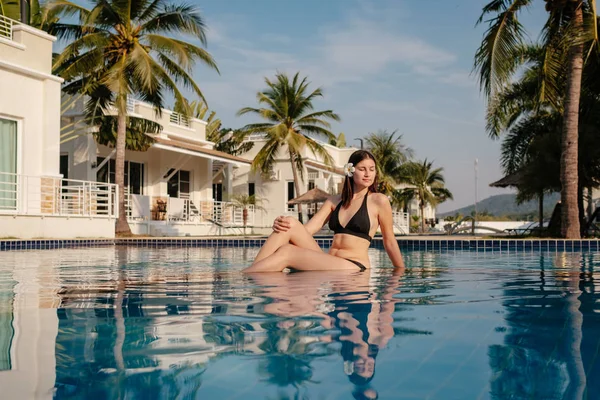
[(363, 48)]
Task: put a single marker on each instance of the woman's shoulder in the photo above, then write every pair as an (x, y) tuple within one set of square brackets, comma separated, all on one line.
[(336, 198)]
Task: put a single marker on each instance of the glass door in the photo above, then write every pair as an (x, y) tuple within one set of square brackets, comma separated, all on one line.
[(8, 164)]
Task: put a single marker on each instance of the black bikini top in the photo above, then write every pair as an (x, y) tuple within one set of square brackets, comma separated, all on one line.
[(359, 225)]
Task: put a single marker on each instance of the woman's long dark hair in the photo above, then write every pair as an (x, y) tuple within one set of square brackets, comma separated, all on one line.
[(348, 189)]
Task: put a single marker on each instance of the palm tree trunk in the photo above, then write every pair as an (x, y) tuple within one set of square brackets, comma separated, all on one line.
[(422, 209), (296, 184), (569, 160), (122, 225), (245, 218), (541, 211)]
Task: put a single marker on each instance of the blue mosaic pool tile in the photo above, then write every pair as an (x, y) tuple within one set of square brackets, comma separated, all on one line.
[(441, 245)]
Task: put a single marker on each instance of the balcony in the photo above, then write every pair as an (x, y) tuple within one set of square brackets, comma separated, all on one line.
[(6, 27), (50, 196), (179, 119), (185, 211)]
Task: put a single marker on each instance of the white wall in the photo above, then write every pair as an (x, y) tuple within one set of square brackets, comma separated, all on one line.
[(29, 227), (31, 96)]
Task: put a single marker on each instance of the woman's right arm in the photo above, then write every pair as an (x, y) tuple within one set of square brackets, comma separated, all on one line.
[(320, 218)]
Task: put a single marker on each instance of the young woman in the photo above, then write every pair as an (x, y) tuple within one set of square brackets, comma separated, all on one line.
[(354, 217)]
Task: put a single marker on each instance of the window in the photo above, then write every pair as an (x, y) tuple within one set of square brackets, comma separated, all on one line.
[(8, 164), (179, 184), (250, 188), (134, 174), (290, 194), (311, 185)]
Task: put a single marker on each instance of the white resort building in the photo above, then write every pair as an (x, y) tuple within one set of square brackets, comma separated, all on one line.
[(57, 185), (275, 190), (35, 200), (169, 187)]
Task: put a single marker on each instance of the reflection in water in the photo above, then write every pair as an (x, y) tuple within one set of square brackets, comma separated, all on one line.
[(184, 323), (553, 325)]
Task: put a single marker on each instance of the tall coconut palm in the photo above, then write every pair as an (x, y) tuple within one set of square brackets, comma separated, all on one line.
[(426, 184), (132, 48), (287, 106), (565, 32), (391, 154)]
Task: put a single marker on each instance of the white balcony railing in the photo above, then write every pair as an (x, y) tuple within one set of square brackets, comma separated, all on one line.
[(6, 27), (313, 175), (131, 103), (46, 196), (184, 210), (401, 222), (179, 119)]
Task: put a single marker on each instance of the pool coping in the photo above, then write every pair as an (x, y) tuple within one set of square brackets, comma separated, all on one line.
[(405, 244)]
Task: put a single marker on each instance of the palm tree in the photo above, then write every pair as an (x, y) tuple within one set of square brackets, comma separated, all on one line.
[(426, 185), (244, 201), (531, 151), (391, 154), (288, 109), (533, 127), (128, 48), (565, 34)]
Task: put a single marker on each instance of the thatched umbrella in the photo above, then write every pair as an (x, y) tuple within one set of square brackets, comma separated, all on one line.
[(509, 180), (516, 179), (315, 195)]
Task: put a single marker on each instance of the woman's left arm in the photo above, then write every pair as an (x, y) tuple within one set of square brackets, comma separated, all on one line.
[(386, 224)]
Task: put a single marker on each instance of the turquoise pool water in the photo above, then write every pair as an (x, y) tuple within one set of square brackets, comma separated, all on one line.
[(183, 323)]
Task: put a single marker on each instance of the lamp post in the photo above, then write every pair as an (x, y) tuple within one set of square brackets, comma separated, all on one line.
[(24, 8), (361, 142), (476, 165)]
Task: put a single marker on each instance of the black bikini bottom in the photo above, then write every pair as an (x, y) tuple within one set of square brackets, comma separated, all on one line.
[(359, 265)]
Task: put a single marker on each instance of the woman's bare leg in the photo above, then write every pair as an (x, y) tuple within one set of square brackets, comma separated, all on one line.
[(301, 259), (297, 235)]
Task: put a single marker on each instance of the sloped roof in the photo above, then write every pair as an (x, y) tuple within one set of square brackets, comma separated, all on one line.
[(203, 150)]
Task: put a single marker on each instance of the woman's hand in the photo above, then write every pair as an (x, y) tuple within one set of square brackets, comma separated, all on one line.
[(281, 224)]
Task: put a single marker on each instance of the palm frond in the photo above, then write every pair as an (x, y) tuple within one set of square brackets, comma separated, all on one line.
[(495, 59), (180, 19)]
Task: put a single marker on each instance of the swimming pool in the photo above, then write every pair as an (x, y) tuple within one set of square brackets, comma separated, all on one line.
[(177, 322)]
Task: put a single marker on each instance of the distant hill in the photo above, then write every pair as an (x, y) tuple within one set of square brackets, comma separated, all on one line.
[(505, 205)]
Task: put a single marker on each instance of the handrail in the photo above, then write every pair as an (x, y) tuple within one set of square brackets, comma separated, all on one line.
[(6, 27), (44, 196), (179, 119)]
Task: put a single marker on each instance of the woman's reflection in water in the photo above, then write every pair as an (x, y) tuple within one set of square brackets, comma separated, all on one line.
[(354, 309)]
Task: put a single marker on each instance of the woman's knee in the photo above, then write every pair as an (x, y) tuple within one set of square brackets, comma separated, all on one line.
[(286, 251), (292, 221)]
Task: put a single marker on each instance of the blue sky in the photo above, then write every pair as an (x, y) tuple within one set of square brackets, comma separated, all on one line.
[(398, 64)]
